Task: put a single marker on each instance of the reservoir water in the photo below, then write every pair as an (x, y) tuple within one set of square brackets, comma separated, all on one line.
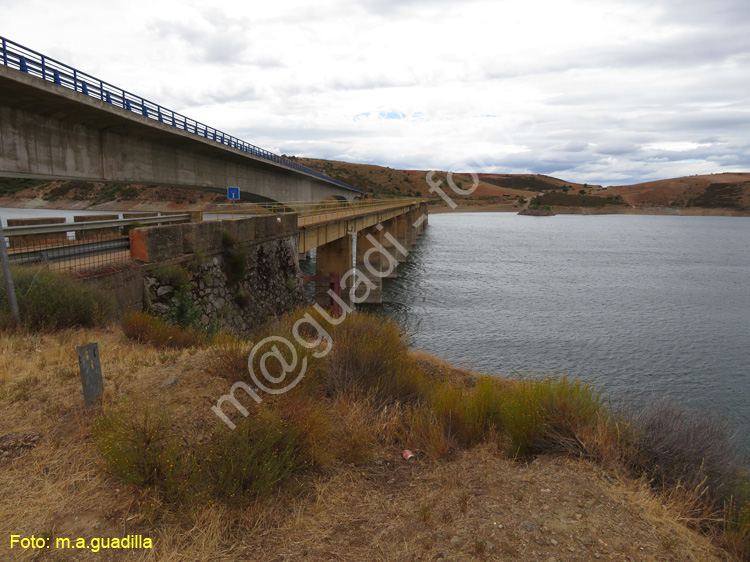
[(642, 306)]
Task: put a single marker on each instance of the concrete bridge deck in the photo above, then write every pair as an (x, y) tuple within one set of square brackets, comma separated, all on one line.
[(60, 123), (386, 232)]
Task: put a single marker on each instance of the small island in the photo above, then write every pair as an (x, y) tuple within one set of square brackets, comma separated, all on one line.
[(536, 209)]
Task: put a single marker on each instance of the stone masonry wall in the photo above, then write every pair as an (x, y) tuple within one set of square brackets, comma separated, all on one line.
[(270, 287), (234, 274)]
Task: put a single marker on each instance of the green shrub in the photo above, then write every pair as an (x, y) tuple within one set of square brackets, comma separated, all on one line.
[(9, 186), (228, 239), (370, 355), (49, 300), (236, 262), (136, 446), (183, 311), (467, 414), (172, 275), (256, 457), (242, 298), (555, 414), (145, 328)]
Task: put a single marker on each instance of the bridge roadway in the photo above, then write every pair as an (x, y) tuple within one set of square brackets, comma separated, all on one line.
[(59, 123), (386, 232)]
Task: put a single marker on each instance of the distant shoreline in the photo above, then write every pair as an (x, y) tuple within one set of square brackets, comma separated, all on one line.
[(604, 210), (88, 205)]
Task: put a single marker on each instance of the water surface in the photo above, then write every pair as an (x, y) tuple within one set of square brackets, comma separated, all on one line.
[(643, 306)]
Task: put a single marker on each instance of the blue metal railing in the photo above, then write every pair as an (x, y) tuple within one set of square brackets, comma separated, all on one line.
[(24, 59)]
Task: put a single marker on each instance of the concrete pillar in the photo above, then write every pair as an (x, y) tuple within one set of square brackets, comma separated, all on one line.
[(419, 222), (402, 234), (411, 230), (335, 257), (391, 247), (369, 288)]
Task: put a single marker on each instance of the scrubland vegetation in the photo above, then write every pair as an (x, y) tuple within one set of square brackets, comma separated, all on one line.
[(368, 395), (49, 300), (371, 392)]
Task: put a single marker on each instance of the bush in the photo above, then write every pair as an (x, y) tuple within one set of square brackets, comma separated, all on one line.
[(172, 275), (283, 327), (261, 453), (183, 312), (228, 356), (467, 414), (145, 328), (236, 263), (555, 414), (370, 356), (235, 257), (426, 432), (49, 300), (736, 531), (676, 447), (136, 447), (242, 298)]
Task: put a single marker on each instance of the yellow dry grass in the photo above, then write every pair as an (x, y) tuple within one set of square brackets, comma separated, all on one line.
[(478, 506)]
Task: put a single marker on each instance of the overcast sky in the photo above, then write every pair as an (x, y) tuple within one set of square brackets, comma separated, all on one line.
[(601, 91)]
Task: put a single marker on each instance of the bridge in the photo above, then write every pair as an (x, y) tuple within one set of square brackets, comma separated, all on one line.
[(59, 123), (94, 246)]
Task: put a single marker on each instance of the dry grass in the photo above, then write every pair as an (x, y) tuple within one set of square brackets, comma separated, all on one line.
[(353, 493), (145, 328)]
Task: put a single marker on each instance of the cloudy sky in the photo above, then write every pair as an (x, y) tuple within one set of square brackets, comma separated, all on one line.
[(598, 91)]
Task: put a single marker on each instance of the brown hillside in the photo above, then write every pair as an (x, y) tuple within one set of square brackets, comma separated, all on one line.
[(730, 190), (381, 180), (101, 192), (531, 182)]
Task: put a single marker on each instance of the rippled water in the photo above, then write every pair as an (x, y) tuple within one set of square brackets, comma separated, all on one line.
[(640, 305)]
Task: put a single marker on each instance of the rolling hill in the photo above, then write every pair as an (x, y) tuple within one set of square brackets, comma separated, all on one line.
[(713, 191)]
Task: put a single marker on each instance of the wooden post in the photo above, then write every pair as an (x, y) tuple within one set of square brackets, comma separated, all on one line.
[(91, 373)]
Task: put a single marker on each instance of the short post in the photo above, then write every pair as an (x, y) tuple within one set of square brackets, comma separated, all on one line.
[(10, 289), (91, 373)]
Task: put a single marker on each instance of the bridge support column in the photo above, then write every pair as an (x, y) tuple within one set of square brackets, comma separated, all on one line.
[(411, 230), (393, 249), (369, 287), (334, 257), (419, 222), (403, 228)]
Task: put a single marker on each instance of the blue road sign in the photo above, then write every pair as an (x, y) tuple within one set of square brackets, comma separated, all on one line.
[(233, 193)]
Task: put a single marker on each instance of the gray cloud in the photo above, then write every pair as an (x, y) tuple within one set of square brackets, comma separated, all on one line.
[(218, 39)]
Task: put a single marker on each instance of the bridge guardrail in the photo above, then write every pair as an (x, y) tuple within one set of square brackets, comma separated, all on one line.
[(94, 245), (302, 208), (14, 55)]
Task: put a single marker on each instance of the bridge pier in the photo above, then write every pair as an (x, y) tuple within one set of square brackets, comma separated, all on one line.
[(420, 220), (369, 287), (407, 234), (333, 257), (393, 250)]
